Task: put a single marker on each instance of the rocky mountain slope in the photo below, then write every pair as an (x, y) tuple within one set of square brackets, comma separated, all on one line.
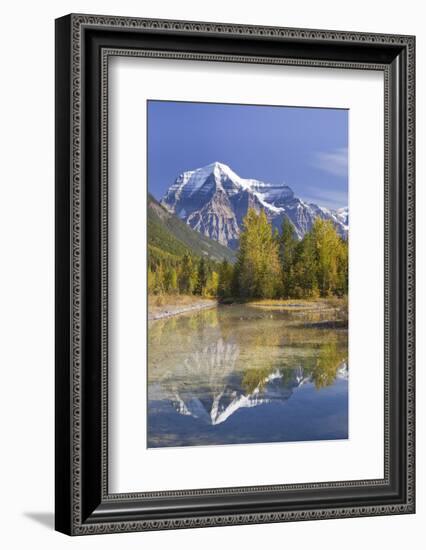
[(213, 200), (173, 236)]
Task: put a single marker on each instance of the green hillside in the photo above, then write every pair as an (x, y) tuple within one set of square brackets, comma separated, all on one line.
[(172, 236)]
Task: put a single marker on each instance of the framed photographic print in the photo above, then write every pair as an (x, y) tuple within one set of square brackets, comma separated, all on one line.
[(234, 274)]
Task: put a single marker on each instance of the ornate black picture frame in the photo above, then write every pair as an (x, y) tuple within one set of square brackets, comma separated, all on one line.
[(83, 45)]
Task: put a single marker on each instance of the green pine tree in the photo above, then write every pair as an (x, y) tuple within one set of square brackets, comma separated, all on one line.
[(202, 276), (212, 284), (188, 275), (258, 266), (171, 282), (151, 281), (159, 287), (328, 248), (225, 282), (287, 251)]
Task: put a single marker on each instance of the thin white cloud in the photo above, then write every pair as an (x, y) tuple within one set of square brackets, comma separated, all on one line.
[(333, 162), (330, 198)]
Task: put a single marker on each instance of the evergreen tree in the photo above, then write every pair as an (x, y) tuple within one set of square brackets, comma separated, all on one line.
[(202, 276), (321, 262), (212, 284), (170, 280), (328, 248), (151, 281), (257, 266), (224, 289), (159, 287), (287, 251), (269, 265), (305, 269), (342, 268), (188, 276)]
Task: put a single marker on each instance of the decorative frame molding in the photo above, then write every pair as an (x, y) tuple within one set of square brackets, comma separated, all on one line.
[(84, 44)]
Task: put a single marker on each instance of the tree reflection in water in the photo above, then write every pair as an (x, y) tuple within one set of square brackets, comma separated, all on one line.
[(212, 364)]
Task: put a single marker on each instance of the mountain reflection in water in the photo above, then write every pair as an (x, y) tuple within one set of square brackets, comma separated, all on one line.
[(240, 374)]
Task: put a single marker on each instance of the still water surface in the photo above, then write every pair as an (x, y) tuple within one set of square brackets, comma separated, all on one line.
[(244, 374)]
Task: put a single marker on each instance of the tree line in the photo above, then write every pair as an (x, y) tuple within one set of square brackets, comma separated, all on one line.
[(187, 274), (269, 265)]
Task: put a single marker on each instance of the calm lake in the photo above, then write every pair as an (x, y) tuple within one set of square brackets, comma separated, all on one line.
[(246, 374)]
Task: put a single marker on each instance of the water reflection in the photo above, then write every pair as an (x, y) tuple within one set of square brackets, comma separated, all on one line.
[(217, 377)]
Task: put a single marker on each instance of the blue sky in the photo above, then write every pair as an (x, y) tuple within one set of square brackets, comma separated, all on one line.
[(305, 148)]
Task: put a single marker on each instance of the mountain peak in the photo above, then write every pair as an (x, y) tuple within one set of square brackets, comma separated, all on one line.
[(214, 200), (216, 164), (219, 169)]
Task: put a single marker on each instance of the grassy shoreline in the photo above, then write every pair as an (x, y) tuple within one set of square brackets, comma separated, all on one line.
[(333, 311), (321, 313), (300, 304)]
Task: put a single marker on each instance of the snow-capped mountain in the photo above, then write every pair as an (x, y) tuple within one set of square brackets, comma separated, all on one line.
[(343, 215), (214, 200), (217, 408), (207, 384)]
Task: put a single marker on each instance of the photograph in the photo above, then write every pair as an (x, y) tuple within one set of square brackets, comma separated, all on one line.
[(247, 273)]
